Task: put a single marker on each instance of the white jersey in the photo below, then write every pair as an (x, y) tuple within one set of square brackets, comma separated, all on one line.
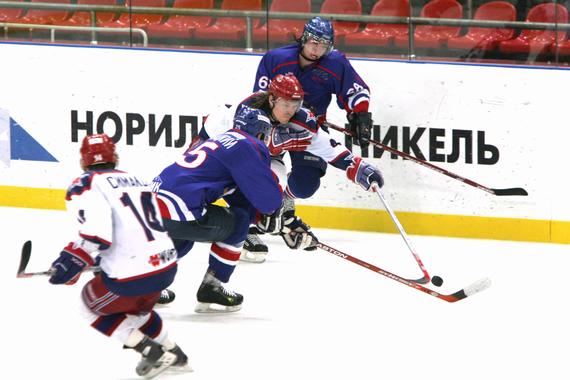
[(118, 213), (220, 120)]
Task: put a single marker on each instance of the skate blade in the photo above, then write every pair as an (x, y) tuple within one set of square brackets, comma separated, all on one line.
[(205, 307), (252, 257), (165, 361), (175, 370)]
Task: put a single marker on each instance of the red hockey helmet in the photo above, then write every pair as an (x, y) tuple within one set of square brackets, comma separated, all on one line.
[(287, 87), (97, 149)]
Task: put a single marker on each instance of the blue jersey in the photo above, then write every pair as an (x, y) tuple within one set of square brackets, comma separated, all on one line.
[(332, 74), (214, 168)]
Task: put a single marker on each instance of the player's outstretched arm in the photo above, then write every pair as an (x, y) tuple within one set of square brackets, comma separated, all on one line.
[(364, 174)]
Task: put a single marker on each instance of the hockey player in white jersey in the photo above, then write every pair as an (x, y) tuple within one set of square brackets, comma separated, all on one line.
[(120, 227)]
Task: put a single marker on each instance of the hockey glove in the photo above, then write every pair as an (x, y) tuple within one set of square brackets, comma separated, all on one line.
[(69, 265), (361, 127), (282, 139), (271, 223), (364, 174), (298, 235)]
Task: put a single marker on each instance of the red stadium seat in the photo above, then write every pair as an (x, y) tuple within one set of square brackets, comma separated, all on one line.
[(382, 34), (46, 16), (84, 18), (229, 28), (353, 7), (282, 31), (487, 38), (11, 14), (562, 47), (137, 20), (538, 41), (434, 36), (182, 26)]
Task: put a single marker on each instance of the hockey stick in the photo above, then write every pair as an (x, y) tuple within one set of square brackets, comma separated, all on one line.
[(500, 192), (468, 291), (25, 258), (425, 279)]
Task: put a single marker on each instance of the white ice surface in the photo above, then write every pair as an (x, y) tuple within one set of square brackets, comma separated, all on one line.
[(309, 315)]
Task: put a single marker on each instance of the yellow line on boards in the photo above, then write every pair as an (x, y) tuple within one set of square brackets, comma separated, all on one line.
[(29, 197), (478, 227)]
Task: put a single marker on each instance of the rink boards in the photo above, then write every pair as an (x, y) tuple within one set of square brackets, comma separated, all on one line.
[(499, 126)]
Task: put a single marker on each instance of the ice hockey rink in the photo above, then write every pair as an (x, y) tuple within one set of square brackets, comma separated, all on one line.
[(309, 315)]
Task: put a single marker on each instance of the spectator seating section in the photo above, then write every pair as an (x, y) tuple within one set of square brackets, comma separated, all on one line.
[(382, 34), (229, 28), (12, 14), (84, 18), (182, 26), (46, 16), (353, 7), (137, 20), (487, 39), (434, 36), (283, 30), (561, 47), (536, 41)]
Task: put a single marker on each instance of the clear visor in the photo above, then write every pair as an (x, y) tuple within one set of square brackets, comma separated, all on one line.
[(319, 41), (288, 105)]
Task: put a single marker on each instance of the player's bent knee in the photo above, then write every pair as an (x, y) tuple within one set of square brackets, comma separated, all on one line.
[(216, 225)]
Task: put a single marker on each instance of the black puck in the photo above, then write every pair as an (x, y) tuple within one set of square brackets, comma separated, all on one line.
[(437, 281)]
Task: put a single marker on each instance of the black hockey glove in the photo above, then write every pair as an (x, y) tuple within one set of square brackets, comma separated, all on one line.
[(271, 223), (361, 127), (298, 235)]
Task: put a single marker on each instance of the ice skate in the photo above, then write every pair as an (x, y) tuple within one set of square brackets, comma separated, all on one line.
[(214, 298), (181, 364), (254, 249), (154, 359)]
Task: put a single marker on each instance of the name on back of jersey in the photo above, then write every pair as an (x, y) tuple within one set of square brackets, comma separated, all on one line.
[(229, 139), (125, 181)]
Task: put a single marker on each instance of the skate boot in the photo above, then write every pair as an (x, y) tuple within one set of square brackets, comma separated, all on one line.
[(254, 250), (166, 297), (154, 359), (181, 363), (181, 357), (214, 298)]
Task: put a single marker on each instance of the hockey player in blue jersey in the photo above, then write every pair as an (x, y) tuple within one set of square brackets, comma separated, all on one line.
[(322, 72), (235, 166), (298, 132)]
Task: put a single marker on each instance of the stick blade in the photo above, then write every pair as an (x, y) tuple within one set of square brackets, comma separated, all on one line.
[(519, 191), (468, 291), (25, 258), (423, 280)]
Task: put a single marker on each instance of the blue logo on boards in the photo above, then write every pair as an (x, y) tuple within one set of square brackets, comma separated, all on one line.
[(25, 147), (17, 144)]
